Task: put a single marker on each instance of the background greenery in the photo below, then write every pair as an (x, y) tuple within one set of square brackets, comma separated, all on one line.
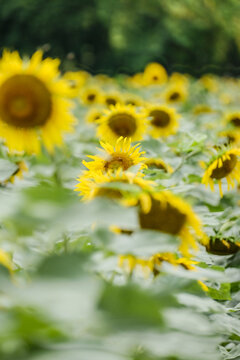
[(110, 36)]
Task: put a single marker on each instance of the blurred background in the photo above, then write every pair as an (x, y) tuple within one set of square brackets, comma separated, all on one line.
[(112, 36)]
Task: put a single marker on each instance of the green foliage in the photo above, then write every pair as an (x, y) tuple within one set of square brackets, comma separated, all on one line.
[(187, 35)]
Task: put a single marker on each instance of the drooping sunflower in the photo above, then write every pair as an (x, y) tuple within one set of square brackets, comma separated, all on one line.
[(157, 163), (154, 73), (33, 103), (122, 120), (232, 137), (122, 155), (222, 246), (225, 165), (163, 120), (176, 94), (91, 96), (166, 212), (91, 185)]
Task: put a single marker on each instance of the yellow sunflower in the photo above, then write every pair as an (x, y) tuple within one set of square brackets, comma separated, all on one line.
[(91, 96), (233, 118), (94, 114), (225, 165), (76, 79), (151, 265), (232, 136), (176, 94), (91, 185), (132, 99), (166, 212), (33, 105), (154, 73), (209, 82), (157, 163), (163, 120), (122, 120), (122, 155), (222, 246), (112, 98)]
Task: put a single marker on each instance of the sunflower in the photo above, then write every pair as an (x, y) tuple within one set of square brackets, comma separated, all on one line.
[(154, 73), (163, 120), (33, 105), (94, 114), (166, 212), (222, 246), (225, 165), (202, 109), (176, 93), (209, 82), (112, 98), (122, 120), (132, 99), (157, 163), (91, 185), (76, 79), (233, 118), (122, 155), (91, 96), (151, 265), (232, 137)]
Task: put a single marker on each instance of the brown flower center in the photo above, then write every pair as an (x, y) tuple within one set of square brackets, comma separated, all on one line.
[(236, 121), (174, 96), (123, 124), (154, 165), (159, 118), (111, 101), (91, 97), (218, 247), (226, 168), (25, 101), (162, 217), (118, 161)]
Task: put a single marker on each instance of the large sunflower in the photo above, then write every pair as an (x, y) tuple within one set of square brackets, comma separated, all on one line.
[(225, 165), (166, 212), (122, 155), (122, 121), (33, 105), (163, 120)]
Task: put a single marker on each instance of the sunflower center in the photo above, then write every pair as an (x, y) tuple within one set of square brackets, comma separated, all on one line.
[(123, 124), (162, 217), (155, 165), (111, 101), (226, 168), (174, 96), (109, 193), (236, 121), (24, 101), (159, 118), (118, 161), (91, 97)]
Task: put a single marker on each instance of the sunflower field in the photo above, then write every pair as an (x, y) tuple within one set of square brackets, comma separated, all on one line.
[(119, 214)]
